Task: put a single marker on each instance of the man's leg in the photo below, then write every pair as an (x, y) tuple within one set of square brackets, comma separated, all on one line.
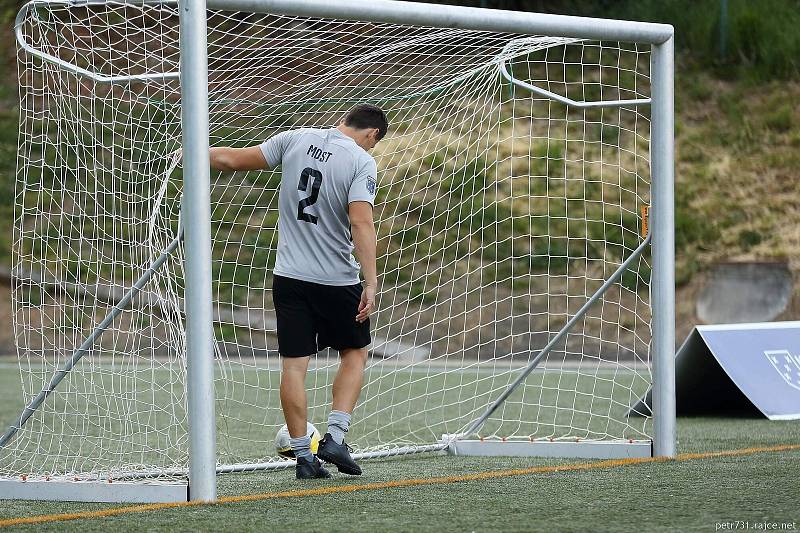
[(294, 403), (293, 394), (346, 390), (349, 378), (296, 336), (342, 331)]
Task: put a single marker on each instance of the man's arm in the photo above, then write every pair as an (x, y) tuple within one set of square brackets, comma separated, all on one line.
[(232, 159), (365, 241)]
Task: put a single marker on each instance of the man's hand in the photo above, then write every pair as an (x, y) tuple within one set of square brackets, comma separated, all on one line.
[(367, 304)]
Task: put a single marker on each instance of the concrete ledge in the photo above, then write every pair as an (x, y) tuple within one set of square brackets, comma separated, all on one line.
[(620, 449), (93, 491)]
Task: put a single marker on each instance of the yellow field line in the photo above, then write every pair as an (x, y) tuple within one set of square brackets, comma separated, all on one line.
[(337, 489)]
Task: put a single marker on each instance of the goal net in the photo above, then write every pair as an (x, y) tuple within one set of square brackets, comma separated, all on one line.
[(512, 185)]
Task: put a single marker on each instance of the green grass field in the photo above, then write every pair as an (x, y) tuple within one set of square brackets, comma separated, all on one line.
[(690, 494)]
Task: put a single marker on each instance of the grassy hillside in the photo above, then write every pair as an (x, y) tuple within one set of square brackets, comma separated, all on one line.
[(737, 171)]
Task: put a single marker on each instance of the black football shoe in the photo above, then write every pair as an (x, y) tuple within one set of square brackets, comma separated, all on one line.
[(310, 469), (337, 454)]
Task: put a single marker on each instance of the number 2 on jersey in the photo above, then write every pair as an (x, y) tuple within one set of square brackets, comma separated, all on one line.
[(312, 198)]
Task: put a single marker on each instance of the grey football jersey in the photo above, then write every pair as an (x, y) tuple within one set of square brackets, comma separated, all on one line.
[(323, 170)]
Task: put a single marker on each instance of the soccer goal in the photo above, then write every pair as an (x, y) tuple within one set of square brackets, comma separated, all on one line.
[(524, 216)]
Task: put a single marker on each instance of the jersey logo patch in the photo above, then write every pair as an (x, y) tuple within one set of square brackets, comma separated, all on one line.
[(371, 185)]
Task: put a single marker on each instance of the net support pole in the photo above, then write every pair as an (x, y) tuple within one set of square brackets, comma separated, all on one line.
[(558, 337), (663, 228), (197, 235)]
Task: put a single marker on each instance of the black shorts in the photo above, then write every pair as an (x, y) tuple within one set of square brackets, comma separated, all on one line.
[(312, 317)]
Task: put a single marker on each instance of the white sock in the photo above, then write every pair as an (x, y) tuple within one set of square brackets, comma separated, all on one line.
[(301, 446), (338, 424)]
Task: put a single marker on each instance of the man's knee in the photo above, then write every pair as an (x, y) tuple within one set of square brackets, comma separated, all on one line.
[(354, 355), (294, 365)]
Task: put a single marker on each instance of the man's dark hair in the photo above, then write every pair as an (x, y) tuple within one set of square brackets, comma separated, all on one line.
[(364, 116)]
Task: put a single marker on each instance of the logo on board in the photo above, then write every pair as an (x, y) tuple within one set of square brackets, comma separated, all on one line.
[(785, 364)]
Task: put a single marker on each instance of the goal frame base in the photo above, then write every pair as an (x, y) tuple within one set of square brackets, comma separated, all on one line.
[(584, 449), (94, 491)]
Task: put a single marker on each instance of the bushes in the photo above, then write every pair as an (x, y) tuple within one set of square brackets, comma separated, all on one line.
[(763, 37), (760, 39)]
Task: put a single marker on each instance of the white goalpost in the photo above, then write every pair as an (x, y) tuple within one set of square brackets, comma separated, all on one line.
[(524, 216)]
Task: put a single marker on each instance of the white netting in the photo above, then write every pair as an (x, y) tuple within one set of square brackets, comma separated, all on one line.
[(499, 213)]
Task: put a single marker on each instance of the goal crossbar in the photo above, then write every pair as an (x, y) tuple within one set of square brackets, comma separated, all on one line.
[(468, 18), (425, 14)]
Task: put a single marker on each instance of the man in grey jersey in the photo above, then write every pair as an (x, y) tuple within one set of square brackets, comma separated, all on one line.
[(327, 193)]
